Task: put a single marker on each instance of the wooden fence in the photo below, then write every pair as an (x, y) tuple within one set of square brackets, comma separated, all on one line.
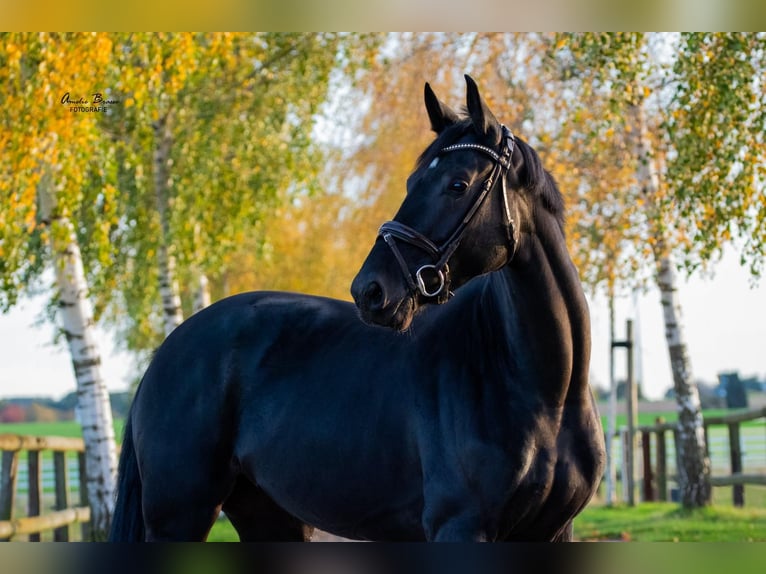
[(655, 478), (36, 521)]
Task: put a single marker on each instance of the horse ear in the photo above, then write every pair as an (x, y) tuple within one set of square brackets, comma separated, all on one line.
[(440, 114), (483, 119)]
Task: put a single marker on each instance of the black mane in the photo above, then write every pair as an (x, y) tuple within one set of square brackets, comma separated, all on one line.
[(540, 182)]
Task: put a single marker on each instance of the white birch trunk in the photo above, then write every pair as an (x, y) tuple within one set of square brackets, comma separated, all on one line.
[(93, 407), (692, 459), (202, 299), (169, 290)]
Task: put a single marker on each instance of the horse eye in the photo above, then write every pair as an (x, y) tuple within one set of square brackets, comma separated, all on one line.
[(458, 185)]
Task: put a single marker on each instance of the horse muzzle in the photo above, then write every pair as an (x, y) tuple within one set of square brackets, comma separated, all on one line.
[(381, 297)]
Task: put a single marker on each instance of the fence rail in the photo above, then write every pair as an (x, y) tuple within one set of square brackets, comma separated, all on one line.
[(63, 515), (656, 476)]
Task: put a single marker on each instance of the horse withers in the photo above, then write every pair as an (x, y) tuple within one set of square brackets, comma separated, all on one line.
[(457, 409)]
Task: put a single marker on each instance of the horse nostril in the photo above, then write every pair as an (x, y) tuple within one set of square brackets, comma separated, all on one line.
[(373, 296)]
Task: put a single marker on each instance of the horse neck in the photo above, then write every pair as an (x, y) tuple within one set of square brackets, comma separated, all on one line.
[(547, 326)]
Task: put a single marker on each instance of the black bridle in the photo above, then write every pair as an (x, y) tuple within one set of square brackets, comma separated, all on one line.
[(393, 230)]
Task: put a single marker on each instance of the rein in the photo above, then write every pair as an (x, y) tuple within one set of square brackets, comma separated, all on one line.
[(391, 231)]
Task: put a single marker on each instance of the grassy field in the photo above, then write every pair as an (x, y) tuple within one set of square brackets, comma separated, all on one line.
[(650, 418), (668, 522), (647, 522), (58, 428)]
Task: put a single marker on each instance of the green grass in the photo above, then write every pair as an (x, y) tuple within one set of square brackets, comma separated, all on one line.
[(223, 531), (668, 522), (58, 428), (755, 496), (650, 418), (647, 522)]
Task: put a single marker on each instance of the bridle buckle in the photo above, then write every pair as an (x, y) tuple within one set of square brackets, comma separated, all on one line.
[(422, 283)]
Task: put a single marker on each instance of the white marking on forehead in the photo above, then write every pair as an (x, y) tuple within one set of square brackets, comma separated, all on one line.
[(434, 163)]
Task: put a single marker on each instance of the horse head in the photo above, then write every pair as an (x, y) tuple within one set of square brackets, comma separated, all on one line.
[(460, 218)]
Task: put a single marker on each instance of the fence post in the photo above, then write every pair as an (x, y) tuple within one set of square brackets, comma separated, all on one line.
[(629, 457), (87, 531), (33, 471), (678, 464), (662, 469), (624, 439), (738, 490), (631, 391), (62, 492), (8, 484), (646, 449)]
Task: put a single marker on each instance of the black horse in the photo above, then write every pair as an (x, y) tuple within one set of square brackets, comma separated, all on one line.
[(471, 420)]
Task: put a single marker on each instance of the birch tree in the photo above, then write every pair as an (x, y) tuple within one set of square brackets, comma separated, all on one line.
[(93, 409), (49, 152), (619, 69), (216, 133), (665, 107)]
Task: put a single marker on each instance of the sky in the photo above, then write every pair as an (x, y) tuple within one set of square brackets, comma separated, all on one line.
[(724, 318)]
